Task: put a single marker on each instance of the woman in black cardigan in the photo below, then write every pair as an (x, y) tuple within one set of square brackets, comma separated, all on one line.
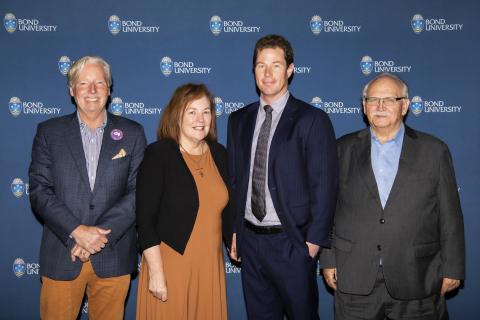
[(183, 209)]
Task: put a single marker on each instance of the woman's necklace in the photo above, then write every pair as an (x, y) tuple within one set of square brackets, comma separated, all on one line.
[(197, 164)]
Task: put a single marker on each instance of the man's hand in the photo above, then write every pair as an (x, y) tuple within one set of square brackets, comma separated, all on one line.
[(449, 285), (91, 238), (330, 275), (233, 249), (79, 252), (313, 249)]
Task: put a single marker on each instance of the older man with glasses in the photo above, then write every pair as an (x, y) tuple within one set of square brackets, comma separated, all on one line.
[(398, 237)]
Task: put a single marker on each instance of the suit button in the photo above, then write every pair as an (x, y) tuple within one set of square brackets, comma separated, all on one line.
[(92, 207), (379, 247), (382, 221)]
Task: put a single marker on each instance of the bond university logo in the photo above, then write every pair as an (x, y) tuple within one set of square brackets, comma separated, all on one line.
[(166, 65), (226, 107), (419, 106), (416, 105), (216, 25), (231, 268), (15, 106), (85, 307), (115, 25), (116, 107), (218, 106), (317, 102), (64, 65), (10, 22), (19, 267), (334, 106), (119, 107), (331, 25), (418, 23), (169, 66), (17, 187), (316, 25), (368, 65)]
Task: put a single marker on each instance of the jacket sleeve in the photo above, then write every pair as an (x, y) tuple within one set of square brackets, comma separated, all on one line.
[(327, 257), (452, 237), (54, 213), (150, 188), (322, 172), (232, 176)]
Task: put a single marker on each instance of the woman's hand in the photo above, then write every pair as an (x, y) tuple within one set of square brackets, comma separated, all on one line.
[(157, 285)]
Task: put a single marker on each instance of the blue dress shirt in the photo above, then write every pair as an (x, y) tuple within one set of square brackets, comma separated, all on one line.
[(385, 158)]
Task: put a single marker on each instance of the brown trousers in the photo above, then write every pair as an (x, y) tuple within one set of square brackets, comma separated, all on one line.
[(62, 299)]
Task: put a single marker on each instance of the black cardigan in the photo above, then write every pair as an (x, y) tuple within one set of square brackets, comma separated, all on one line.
[(167, 197)]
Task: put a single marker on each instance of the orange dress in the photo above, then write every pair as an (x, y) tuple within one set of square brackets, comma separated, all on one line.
[(196, 279)]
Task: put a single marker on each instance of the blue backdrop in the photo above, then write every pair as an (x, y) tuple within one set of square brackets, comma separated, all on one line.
[(154, 46)]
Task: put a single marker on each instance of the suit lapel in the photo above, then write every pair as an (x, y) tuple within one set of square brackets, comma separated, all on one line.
[(284, 128), (246, 137), (75, 145), (363, 150), (405, 164), (107, 150), (249, 127)]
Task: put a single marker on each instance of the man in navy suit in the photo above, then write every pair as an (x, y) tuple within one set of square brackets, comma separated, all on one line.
[(82, 186), (283, 172)]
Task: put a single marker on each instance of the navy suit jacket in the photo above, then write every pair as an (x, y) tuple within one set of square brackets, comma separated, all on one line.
[(60, 194), (302, 170)]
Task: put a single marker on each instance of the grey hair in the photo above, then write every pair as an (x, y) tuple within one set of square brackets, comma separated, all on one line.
[(80, 63), (401, 84)]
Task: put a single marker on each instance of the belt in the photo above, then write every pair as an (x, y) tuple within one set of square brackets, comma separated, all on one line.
[(263, 229)]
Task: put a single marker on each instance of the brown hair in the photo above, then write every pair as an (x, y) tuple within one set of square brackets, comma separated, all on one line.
[(169, 122), (273, 41)]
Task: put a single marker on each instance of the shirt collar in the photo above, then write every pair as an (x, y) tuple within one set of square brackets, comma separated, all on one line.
[(277, 105), (83, 125), (397, 139)]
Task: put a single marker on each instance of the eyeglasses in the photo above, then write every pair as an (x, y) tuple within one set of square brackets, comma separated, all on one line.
[(386, 102)]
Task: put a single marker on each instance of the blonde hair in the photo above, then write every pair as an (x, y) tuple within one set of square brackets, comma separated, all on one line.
[(72, 74)]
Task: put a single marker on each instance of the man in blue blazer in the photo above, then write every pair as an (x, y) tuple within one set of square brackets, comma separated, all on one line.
[(283, 172), (82, 186)]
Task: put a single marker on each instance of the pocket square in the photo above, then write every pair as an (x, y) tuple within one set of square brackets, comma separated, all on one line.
[(122, 153)]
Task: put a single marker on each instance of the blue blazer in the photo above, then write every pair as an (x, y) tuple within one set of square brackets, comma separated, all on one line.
[(302, 170), (60, 194)]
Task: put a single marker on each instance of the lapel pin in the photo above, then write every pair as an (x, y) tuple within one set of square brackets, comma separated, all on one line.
[(116, 134)]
